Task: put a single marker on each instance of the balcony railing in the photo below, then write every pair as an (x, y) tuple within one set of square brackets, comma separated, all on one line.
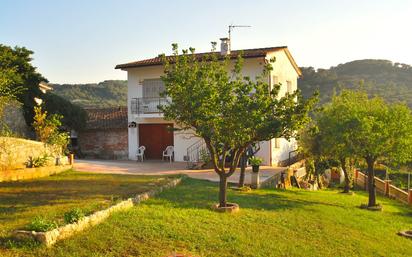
[(147, 105)]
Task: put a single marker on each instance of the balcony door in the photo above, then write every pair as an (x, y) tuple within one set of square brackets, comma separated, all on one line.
[(155, 137)]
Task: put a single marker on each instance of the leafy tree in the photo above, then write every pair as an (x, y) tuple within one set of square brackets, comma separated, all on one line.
[(228, 110), (17, 61), (20, 80), (368, 128), (332, 143), (47, 129), (310, 147), (73, 116)]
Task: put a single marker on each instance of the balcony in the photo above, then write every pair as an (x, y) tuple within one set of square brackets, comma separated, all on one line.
[(147, 105)]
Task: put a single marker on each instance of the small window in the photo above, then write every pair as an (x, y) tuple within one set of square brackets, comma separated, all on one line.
[(275, 80), (289, 87), (277, 142)]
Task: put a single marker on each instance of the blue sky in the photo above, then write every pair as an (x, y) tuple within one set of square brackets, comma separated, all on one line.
[(81, 41)]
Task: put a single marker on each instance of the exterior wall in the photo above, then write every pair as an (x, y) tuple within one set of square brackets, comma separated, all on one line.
[(284, 70), (104, 144), (182, 140), (14, 119)]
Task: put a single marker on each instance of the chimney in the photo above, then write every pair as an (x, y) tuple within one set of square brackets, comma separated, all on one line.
[(224, 46)]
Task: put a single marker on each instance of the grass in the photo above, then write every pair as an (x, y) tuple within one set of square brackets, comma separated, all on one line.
[(51, 197), (270, 223)]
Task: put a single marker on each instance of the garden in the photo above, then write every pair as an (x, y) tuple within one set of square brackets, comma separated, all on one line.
[(46, 203), (270, 223)]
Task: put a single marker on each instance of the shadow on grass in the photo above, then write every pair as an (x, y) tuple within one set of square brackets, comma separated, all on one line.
[(12, 243), (15, 196), (200, 194)]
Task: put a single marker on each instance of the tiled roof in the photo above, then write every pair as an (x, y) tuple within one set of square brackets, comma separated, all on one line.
[(247, 53), (106, 118)]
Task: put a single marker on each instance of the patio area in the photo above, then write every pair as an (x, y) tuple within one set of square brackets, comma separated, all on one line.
[(165, 168)]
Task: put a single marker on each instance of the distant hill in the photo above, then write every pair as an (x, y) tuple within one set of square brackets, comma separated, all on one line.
[(104, 94), (392, 81)]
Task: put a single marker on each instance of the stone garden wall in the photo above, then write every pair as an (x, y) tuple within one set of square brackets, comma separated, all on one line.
[(14, 152)]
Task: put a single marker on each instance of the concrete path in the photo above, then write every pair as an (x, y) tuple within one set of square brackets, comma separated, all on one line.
[(164, 168)]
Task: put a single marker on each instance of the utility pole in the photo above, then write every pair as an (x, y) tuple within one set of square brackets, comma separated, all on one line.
[(231, 27)]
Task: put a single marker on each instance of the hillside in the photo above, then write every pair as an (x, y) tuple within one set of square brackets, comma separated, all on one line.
[(104, 94), (392, 81)]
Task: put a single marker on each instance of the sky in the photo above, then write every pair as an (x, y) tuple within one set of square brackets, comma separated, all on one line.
[(80, 41)]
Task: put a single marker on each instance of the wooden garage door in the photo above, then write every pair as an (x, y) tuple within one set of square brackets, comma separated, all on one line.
[(155, 137)]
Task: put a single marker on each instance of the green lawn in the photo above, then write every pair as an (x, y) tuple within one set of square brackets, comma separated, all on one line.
[(51, 197), (270, 223)]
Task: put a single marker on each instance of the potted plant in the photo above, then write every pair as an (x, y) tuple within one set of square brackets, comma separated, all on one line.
[(255, 162)]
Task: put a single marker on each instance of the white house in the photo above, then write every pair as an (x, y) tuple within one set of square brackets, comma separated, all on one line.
[(147, 126)]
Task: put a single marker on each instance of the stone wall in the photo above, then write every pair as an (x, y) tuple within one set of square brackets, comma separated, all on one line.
[(32, 173), (104, 144), (14, 152), (14, 119)]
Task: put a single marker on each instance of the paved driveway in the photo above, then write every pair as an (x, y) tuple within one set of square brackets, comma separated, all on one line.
[(164, 168)]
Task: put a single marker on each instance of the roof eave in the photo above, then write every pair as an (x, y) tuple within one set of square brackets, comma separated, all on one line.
[(126, 66)]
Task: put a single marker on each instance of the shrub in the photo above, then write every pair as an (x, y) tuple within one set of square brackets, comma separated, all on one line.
[(73, 215), (40, 161), (41, 224), (204, 156)]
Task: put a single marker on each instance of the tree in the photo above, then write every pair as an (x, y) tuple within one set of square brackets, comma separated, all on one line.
[(310, 146), (368, 128), (228, 110), (47, 129), (73, 116), (20, 80), (18, 60), (332, 143)]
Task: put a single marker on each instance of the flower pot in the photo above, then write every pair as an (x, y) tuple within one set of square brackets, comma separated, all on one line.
[(255, 168)]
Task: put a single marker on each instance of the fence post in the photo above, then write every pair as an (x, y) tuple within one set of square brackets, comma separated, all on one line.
[(410, 197), (387, 186)]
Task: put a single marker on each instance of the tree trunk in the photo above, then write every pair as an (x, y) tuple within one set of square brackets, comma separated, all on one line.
[(222, 190), (243, 161), (346, 188), (371, 182)]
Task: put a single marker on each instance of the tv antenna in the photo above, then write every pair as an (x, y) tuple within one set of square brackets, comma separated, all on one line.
[(231, 27)]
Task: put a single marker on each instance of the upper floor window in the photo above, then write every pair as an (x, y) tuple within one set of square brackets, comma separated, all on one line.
[(289, 87), (152, 88), (277, 143), (275, 80)]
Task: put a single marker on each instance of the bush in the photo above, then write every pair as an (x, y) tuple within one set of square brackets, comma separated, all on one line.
[(40, 224), (73, 215), (40, 161)]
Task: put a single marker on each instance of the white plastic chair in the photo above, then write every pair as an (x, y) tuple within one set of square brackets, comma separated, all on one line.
[(140, 152), (168, 153)]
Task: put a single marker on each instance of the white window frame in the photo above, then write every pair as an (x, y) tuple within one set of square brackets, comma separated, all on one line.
[(289, 86), (152, 88)]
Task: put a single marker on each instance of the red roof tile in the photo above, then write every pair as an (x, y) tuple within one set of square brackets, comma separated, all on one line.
[(247, 53), (106, 118)]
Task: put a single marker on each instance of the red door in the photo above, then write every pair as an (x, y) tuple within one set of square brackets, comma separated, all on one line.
[(155, 137)]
